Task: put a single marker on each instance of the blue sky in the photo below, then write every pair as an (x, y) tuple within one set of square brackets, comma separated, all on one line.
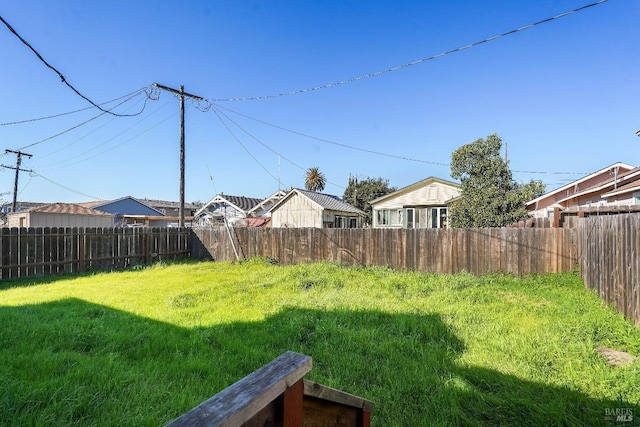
[(564, 96)]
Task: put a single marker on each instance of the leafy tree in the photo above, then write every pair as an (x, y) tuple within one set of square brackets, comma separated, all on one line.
[(314, 180), (361, 193), (490, 196)]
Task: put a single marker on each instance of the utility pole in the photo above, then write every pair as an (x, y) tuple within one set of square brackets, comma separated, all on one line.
[(19, 155), (181, 93)]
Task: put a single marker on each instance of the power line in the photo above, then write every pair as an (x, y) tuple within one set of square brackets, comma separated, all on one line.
[(62, 78), (365, 150), (65, 164), (89, 120), (243, 146), (53, 116), (97, 129), (412, 63), (65, 187), (267, 147)]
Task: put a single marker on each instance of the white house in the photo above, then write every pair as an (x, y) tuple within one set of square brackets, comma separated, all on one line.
[(424, 204), (233, 208)]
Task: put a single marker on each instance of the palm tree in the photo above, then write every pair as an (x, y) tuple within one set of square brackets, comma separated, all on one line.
[(314, 180)]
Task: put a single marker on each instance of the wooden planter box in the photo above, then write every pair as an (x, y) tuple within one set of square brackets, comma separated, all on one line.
[(278, 395)]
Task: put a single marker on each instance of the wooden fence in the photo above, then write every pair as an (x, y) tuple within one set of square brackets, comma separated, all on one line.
[(30, 252), (609, 261), (478, 251)]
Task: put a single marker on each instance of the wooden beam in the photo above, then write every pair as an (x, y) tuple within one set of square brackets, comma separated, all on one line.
[(293, 405), (324, 392)]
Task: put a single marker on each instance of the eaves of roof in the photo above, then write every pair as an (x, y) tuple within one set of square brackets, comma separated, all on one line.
[(581, 180), (325, 201)]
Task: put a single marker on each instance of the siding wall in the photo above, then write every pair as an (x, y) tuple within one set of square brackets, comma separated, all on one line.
[(434, 194), (297, 211), (37, 219)]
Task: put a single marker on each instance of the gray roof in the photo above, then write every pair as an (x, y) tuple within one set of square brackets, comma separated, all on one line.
[(244, 203), (328, 201)]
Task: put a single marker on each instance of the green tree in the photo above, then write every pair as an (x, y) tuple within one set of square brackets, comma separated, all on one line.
[(314, 179), (361, 193), (490, 196)]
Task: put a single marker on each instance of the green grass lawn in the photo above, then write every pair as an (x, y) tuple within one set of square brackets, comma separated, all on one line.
[(142, 347)]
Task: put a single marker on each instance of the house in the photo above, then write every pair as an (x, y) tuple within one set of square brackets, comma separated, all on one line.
[(60, 215), (424, 204), (303, 208), (223, 206), (129, 211), (614, 186), (169, 208)]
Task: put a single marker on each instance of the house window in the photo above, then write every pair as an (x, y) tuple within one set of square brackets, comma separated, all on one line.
[(636, 198), (346, 222), (400, 216), (438, 217), (411, 223), (383, 217)]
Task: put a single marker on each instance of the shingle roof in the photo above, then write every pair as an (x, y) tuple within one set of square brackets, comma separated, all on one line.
[(329, 201), (165, 203), (65, 208), (244, 203)]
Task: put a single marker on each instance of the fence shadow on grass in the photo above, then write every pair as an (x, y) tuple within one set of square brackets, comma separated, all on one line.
[(73, 362)]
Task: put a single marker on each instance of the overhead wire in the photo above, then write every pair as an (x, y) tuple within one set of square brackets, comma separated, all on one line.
[(65, 187), (268, 147), (243, 146), (85, 122), (365, 150), (412, 63), (64, 164), (62, 78), (103, 143), (43, 156), (54, 116)]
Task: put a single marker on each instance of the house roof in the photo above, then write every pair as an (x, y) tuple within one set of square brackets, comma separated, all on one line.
[(576, 183), (415, 186), (325, 201), (166, 204), (64, 208), (627, 183), (241, 203), (124, 206), (271, 199)]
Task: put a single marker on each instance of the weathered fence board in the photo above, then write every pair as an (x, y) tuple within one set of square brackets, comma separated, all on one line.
[(478, 251), (30, 252), (609, 260)]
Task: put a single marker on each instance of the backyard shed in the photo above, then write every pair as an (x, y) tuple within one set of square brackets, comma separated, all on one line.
[(60, 215)]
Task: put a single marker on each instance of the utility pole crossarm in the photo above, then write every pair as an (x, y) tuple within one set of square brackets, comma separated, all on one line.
[(177, 92)]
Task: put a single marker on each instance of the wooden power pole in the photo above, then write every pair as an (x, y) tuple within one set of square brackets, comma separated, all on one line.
[(182, 94), (19, 155)]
